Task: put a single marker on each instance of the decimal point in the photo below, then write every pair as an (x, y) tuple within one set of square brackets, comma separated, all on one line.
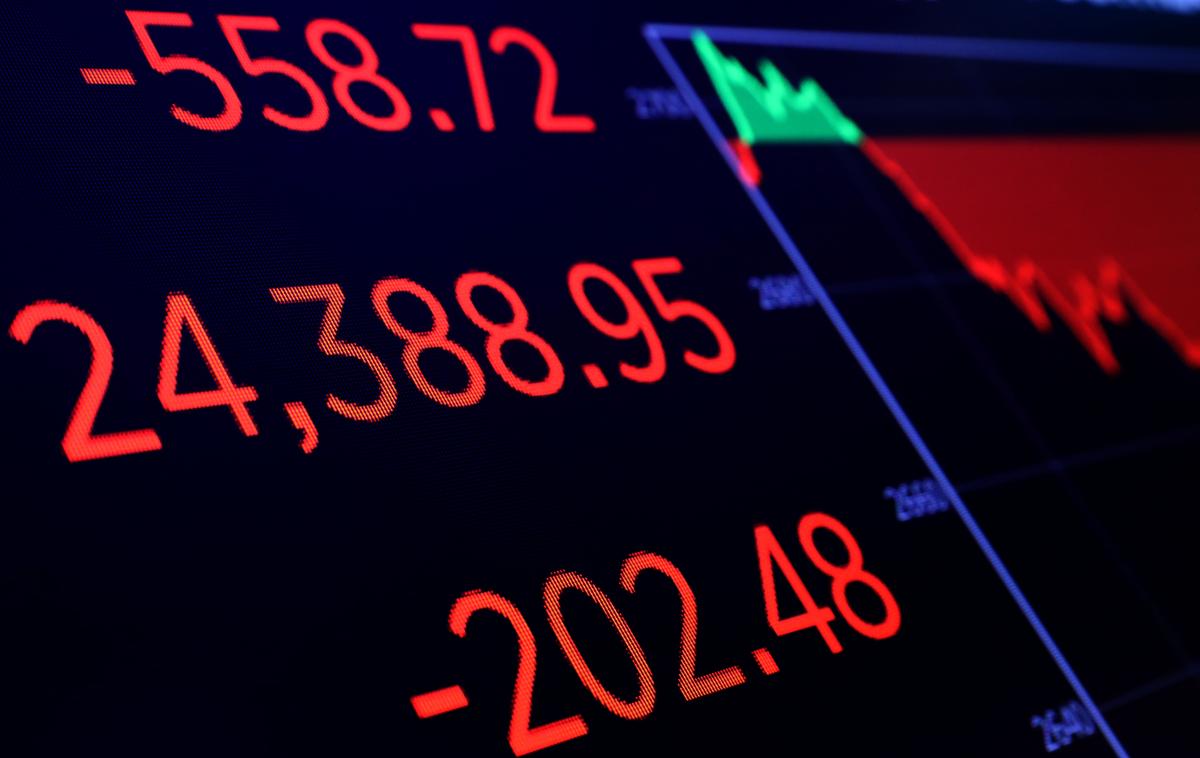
[(595, 376), (441, 119), (766, 661)]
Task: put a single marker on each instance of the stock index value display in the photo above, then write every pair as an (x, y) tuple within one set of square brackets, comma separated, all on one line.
[(663, 378)]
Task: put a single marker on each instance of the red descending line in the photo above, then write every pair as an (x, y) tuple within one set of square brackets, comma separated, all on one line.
[(1087, 227), (748, 168)]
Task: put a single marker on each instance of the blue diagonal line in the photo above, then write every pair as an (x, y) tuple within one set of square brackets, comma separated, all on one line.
[(868, 366)]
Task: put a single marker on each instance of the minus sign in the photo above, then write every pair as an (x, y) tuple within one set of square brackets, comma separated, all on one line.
[(121, 76), (439, 701)]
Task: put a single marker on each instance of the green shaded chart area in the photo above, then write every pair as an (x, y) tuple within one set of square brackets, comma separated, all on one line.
[(768, 108)]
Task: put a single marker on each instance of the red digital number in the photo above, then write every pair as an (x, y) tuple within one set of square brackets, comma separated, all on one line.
[(231, 115), (465, 37), (329, 344), (848, 574), (318, 114), (673, 310), (690, 685), (79, 443), (515, 330), (521, 737), (366, 72), (771, 554), (181, 312), (637, 321), (643, 704), (434, 339), (544, 116)]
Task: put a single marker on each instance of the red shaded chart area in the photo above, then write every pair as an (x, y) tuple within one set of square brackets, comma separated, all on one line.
[(1089, 228)]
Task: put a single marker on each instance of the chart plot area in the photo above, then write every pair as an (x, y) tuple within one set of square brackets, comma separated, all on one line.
[(1088, 227), (1018, 258)]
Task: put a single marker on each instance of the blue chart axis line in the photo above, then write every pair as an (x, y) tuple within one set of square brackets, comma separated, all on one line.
[(1088, 54), (1082, 54)]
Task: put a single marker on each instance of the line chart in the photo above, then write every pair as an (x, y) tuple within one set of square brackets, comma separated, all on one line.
[(1091, 228)]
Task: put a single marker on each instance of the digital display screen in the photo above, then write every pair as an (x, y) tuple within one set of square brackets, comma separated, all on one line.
[(487, 379)]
